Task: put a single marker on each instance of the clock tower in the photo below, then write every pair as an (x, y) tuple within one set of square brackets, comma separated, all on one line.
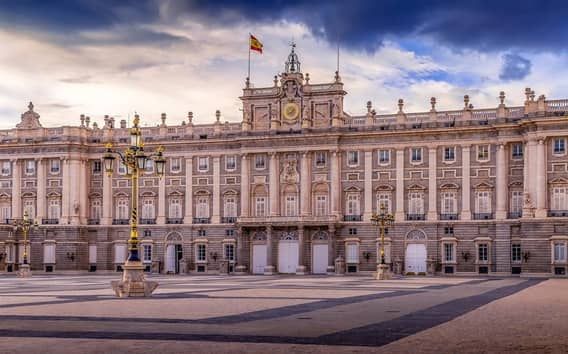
[(293, 102)]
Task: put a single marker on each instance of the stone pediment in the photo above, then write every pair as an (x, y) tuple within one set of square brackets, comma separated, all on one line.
[(30, 119)]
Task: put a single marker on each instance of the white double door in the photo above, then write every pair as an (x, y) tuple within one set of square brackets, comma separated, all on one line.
[(258, 259), (288, 254), (415, 258), (320, 258), (171, 259)]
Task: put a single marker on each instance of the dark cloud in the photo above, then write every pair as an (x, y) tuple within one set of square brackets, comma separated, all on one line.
[(514, 67), (77, 80)]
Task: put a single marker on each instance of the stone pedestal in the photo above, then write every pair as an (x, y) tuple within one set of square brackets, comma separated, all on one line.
[(300, 270), (183, 266), (330, 270), (339, 266), (269, 270), (133, 283), (383, 272), (240, 270), (25, 271)]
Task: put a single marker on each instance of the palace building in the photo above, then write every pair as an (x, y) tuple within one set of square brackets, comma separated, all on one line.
[(292, 188)]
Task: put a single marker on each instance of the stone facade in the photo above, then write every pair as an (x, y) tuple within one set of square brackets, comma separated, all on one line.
[(292, 188)]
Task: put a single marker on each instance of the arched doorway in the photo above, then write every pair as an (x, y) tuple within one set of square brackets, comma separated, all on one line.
[(320, 252), (259, 252), (415, 252), (174, 253), (288, 252)]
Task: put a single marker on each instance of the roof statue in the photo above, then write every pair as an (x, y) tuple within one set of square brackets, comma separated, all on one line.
[(30, 119), (293, 63)]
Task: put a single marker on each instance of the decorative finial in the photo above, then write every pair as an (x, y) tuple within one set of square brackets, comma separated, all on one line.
[(466, 101), (528, 93), (82, 118), (88, 121), (292, 65), (136, 119), (307, 78), (400, 105), (336, 77), (31, 107), (163, 118), (218, 115), (502, 97), (433, 103), (369, 106), (533, 95), (247, 82), (190, 117)]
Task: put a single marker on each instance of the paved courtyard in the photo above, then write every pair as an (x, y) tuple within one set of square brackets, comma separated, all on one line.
[(282, 314)]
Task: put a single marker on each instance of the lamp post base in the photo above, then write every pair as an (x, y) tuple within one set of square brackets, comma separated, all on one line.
[(383, 272), (133, 283), (25, 271)]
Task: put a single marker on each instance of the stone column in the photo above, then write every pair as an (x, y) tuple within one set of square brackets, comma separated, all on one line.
[(368, 192), (399, 213), (336, 183), (432, 184), (269, 269), (301, 269), (216, 217), (331, 251), (107, 200), (16, 189), (501, 191), (73, 178), (84, 191), (529, 175), (245, 186), (540, 169), (305, 185), (41, 212), (466, 183), (188, 214), (161, 215), (240, 268), (65, 194), (273, 187)]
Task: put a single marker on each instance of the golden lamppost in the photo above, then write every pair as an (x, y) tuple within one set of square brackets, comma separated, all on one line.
[(135, 159), (25, 225), (382, 220)]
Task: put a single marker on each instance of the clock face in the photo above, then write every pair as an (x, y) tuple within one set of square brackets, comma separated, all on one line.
[(291, 111)]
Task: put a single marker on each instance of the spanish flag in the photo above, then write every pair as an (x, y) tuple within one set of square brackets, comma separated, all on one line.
[(255, 44)]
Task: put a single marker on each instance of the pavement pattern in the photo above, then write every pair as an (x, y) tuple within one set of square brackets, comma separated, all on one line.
[(55, 314)]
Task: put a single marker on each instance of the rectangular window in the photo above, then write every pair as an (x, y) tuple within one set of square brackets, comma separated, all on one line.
[(384, 157), (416, 203), (122, 209), (175, 208), (482, 152), (559, 252), (54, 166), (320, 159), (449, 153), (449, 252), (175, 165), (121, 168), (352, 253), (353, 204), (352, 231), (203, 164), (559, 198), (96, 210), (201, 253), (449, 230), (49, 253), (6, 168), (482, 254), (259, 162), (201, 233), (97, 167), (147, 253), (260, 206), (383, 202), (54, 209), (416, 155), (559, 146), (29, 207), (202, 207), (230, 163), (230, 252), (291, 206), (230, 207), (30, 167), (483, 202), (148, 209), (5, 213), (449, 203), (516, 201), (149, 166), (517, 151), (353, 158), (515, 252), (321, 205)]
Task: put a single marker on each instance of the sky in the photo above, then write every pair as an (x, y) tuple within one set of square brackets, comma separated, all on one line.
[(106, 57)]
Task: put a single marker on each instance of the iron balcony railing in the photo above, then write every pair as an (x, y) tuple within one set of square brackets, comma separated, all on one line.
[(50, 221), (202, 220), (228, 219), (120, 221), (448, 216), (483, 216), (557, 213), (93, 221), (514, 214), (415, 217), (352, 218), (147, 221), (174, 220)]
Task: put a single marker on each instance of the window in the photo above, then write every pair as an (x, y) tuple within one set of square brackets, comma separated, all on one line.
[(230, 232), (559, 146), (49, 253), (148, 209), (320, 159), (54, 209), (383, 200), (147, 233), (352, 158), (482, 152), (449, 154), (5, 212), (149, 168), (482, 254), (321, 205), (448, 252), (121, 168), (291, 205), (230, 206), (559, 252), (559, 198), (122, 209), (175, 208), (230, 163), (54, 166), (30, 167), (201, 233), (448, 230), (6, 168), (260, 206), (175, 165), (384, 157), (516, 201), (352, 231), (230, 252), (482, 202), (203, 164), (201, 253), (352, 207), (202, 207), (352, 253), (119, 253), (416, 155), (517, 151), (97, 166), (449, 203), (29, 207), (147, 253), (416, 203), (96, 210), (515, 252), (259, 162)]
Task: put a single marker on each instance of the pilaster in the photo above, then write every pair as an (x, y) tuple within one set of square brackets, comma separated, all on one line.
[(540, 169), (502, 167), (368, 193), (188, 214), (216, 218), (274, 196), (107, 199), (399, 213), (41, 191), (432, 184), (245, 186), (466, 183), (161, 216), (336, 183), (305, 185), (16, 189)]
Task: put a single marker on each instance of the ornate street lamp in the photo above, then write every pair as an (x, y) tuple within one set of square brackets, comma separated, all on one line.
[(135, 159), (25, 225), (382, 220)]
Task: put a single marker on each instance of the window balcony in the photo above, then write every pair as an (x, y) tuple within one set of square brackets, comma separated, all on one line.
[(228, 219), (558, 213), (514, 214), (202, 220), (174, 220), (148, 221), (415, 217), (352, 218), (8, 221), (482, 216), (445, 216), (50, 221), (93, 221), (120, 221)]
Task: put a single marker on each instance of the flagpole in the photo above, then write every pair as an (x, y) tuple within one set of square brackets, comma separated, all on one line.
[(248, 75)]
